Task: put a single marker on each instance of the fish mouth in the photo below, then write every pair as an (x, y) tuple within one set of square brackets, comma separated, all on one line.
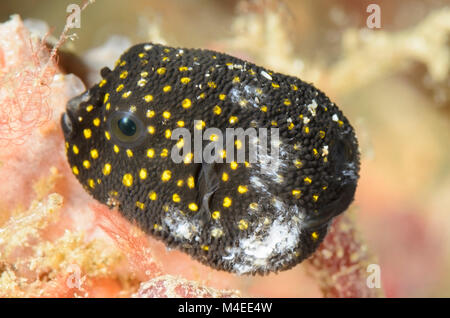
[(69, 117), (67, 126)]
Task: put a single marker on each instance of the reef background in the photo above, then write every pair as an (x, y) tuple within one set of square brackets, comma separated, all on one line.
[(392, 83)]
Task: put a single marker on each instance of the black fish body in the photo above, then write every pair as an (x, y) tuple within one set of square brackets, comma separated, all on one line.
[(235, 215)]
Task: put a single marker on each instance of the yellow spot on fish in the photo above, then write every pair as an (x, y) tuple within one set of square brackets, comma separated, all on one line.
[(217, 110), (118, 88), (180, 123), (87, 133), (186, 103), (168, 133), (242, 189), (124, 74), (222, 96), (315, 152), (150, 153), (150, 114), (294, 87), (243, 225), (164, 153), (233, 120), (140, 205), (315, 197), (193, 207), (107, 135), (143, 173), (106, 169), (225, 177), (296, 193), (75, 149), (75, 170), (264, 109), (176, 198), (180, 183), (191, 182), (86, 164), (200, 125), (215, 215), (307, 180), (298, 163), (148, 98), (152, 195), (167, 88), (314, 235), (127, 180), (126, 94), (275, 85), (151, 130), (90, 107), (321, 134), (287, 102), (306, 129), (185, 80), (96, 122), (91, 183), (116, 149), (161, 70), (166, 115), (180, 143), (188, 158), (234, 165), (212, 84), (142, 82), (227, 202), (102, 83), (129, 153), (183, 68), (166, 175)]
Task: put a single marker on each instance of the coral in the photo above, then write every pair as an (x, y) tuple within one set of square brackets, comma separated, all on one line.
[(369, 55), (340, 264), (173, 287)]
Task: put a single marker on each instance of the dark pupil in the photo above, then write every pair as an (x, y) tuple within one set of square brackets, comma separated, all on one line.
[(127, 126)]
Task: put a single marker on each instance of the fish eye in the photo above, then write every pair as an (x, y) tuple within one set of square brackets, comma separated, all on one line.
[(126, 128)]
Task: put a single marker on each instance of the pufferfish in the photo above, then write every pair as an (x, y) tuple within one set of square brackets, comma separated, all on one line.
[(233, 215)]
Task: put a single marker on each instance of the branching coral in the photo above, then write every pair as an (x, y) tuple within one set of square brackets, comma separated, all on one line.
[(368, 55)]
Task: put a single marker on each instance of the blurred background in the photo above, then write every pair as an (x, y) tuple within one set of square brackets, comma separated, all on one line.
[(392, 83)]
